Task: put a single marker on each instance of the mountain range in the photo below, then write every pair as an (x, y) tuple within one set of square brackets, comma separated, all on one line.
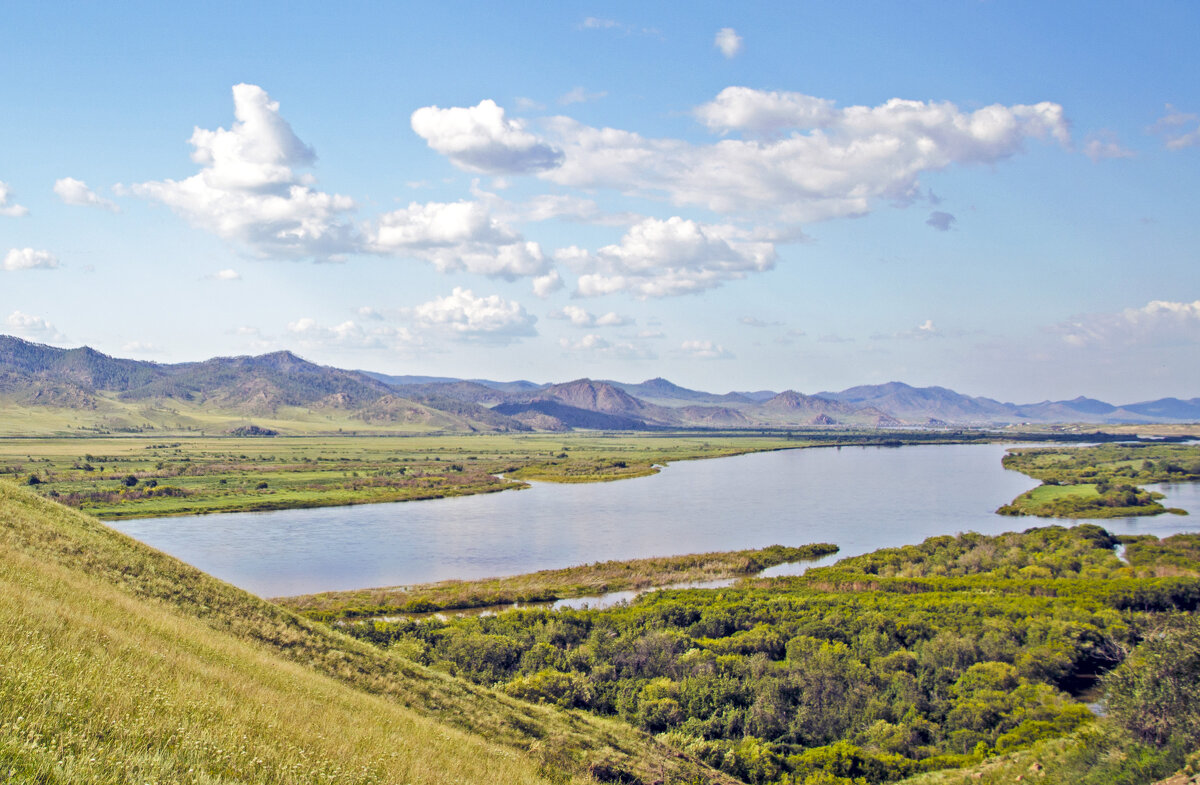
[(85, 388)]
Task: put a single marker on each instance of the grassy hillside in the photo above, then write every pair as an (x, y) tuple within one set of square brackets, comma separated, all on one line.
[(121, 664)]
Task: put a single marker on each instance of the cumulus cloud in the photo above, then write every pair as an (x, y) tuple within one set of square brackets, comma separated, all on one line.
[(10, 210), (941, 221), (481, 139), (1103, 145), (76, 192), (1179, 129), (705, 350), (661, 258), (247, 188), (1159, 322), (764, 111), (580, 317), (33, 327), (548, 284), (29, 259), (728, 41), (832, 163), (457, 236), (464, 316), (227, 275)]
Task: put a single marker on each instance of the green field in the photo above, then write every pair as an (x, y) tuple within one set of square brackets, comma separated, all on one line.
[(140, 476)]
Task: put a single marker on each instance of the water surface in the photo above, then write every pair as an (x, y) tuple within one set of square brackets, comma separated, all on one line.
[(861, 498)]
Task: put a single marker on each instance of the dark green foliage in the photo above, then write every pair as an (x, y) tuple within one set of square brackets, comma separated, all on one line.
[(1155, 694), (885, 665)]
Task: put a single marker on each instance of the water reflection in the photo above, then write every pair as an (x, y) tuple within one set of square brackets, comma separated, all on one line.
[(861, 498)]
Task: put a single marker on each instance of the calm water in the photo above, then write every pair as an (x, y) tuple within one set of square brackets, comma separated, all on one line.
[(860, 498)]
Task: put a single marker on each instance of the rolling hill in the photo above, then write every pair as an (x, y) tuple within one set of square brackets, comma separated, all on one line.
[(50, 391), (121, 664)]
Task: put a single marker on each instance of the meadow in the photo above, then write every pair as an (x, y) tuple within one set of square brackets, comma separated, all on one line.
[(138, 476)]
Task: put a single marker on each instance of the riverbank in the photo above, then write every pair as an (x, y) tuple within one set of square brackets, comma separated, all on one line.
[(585, 580)]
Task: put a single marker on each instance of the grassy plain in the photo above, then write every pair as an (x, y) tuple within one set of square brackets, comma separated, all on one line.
[(120, 664), (548, 585), (139, 476)]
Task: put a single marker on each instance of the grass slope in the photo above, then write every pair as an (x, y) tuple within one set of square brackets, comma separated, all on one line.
[(121, 664)]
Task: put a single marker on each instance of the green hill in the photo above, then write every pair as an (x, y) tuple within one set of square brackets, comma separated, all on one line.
[(121, 664)]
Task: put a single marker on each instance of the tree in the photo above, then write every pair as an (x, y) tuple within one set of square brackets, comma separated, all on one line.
[(1155, 693)]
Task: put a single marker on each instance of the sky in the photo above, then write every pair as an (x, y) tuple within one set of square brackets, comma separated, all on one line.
[(996, 197)]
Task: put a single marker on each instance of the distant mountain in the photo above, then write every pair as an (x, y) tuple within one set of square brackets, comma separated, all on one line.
[(1168, 408), (130, 394), (601, 397), (553, 415), (920, 404), (282, 387), (667, 393), (757, 396)]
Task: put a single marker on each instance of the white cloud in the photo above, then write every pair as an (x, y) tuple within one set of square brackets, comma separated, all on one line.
[(1103, 145), (763, 111), (76, 192), (834, 162), (600, 347), (728, 41), (580, 317), (578, 95), (34, 327), (10, 210), (464, 316), (457, 236), (705, 350), (247, 189), (1158, 323), (480, 139), (548, 284), (1180, 129), (351, 335), (227, 275), (662, 258), (29, 259), (941, 221)]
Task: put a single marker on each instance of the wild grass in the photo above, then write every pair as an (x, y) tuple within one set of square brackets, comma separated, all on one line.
[(548, 585), (121, 664), (138, 476)]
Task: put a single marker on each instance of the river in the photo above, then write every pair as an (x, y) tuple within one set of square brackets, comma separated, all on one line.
[(861, 498)]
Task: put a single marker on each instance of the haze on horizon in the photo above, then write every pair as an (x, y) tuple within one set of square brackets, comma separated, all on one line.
[(996, 198)]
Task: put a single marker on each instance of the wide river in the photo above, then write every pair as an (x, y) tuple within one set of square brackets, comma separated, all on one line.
[(861, 498)]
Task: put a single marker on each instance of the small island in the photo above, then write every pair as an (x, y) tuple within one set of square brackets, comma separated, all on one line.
[(1102, 481)]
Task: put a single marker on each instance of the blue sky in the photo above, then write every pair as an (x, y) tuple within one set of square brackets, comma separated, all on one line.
[(998, 197)]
